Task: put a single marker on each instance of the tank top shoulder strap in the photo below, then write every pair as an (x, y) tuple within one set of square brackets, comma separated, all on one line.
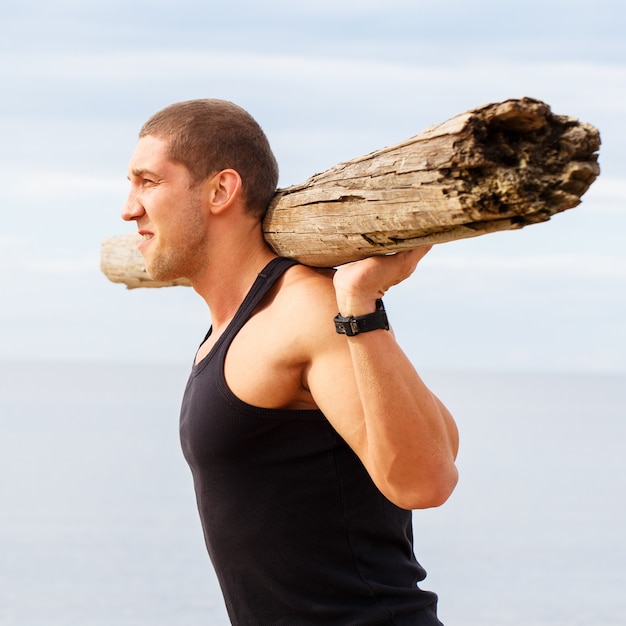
[(262, 284)]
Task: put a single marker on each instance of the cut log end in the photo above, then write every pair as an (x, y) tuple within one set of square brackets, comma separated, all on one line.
[(521, 159)]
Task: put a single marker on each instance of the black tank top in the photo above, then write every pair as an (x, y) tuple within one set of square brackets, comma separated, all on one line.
[(295, 528)]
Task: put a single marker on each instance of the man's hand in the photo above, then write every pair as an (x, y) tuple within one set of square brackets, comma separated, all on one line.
[(358, 285)]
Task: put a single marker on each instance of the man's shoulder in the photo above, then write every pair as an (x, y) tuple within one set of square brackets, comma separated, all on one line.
[(309, 289), (302, 308)]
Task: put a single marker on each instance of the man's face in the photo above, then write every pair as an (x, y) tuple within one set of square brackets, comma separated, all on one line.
[(168, 213)]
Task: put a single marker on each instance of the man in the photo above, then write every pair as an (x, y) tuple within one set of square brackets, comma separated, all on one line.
[(309, 434)]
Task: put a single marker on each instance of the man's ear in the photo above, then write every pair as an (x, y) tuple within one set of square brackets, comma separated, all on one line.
[(222, 189)]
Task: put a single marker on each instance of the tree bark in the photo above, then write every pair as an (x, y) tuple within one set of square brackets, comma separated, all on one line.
[(498, 167)]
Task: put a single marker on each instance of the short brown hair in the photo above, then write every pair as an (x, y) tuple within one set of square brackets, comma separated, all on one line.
[(211, 135)]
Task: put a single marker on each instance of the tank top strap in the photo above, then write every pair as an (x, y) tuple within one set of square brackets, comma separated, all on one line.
[(265, 280), (262, 284)]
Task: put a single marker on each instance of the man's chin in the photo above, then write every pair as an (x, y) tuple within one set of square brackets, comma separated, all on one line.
[(163, 274)]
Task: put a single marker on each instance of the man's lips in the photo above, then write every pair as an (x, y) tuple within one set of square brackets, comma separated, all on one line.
[(146, 236)]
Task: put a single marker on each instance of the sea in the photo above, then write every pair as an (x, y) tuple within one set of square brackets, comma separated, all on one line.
[(98, 525)]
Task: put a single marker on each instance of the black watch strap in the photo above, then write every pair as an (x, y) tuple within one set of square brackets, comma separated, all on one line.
[(352, 326)]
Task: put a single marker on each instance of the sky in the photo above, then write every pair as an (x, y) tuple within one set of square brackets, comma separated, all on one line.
[(328, 81)]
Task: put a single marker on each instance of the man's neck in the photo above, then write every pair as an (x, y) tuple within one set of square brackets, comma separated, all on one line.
[(229, 276)]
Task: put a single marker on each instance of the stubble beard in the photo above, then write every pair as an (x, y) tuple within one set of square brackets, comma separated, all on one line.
[(182, 255)]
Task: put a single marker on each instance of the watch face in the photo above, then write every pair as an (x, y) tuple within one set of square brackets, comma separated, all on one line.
[(344, 326)]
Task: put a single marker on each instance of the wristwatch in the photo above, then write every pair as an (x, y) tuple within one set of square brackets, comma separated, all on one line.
[(352, 326)]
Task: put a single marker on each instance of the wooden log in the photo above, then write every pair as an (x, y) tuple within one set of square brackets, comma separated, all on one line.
[(498, 167)]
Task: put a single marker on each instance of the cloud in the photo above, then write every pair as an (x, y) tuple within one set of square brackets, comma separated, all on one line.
[(607, 195), (20, 254), (124, 66), (68, 266), (51, 184), (566, 265)]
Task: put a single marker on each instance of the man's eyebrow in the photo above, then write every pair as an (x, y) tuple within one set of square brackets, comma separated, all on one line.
[(141, 171)]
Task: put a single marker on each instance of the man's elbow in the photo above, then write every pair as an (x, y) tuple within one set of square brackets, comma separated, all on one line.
[(429, 493)]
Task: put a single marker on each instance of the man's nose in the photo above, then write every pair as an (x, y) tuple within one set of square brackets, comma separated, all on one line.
[(133, 209)]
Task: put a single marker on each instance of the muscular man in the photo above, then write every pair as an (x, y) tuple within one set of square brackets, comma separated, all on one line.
[(309, 439)]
